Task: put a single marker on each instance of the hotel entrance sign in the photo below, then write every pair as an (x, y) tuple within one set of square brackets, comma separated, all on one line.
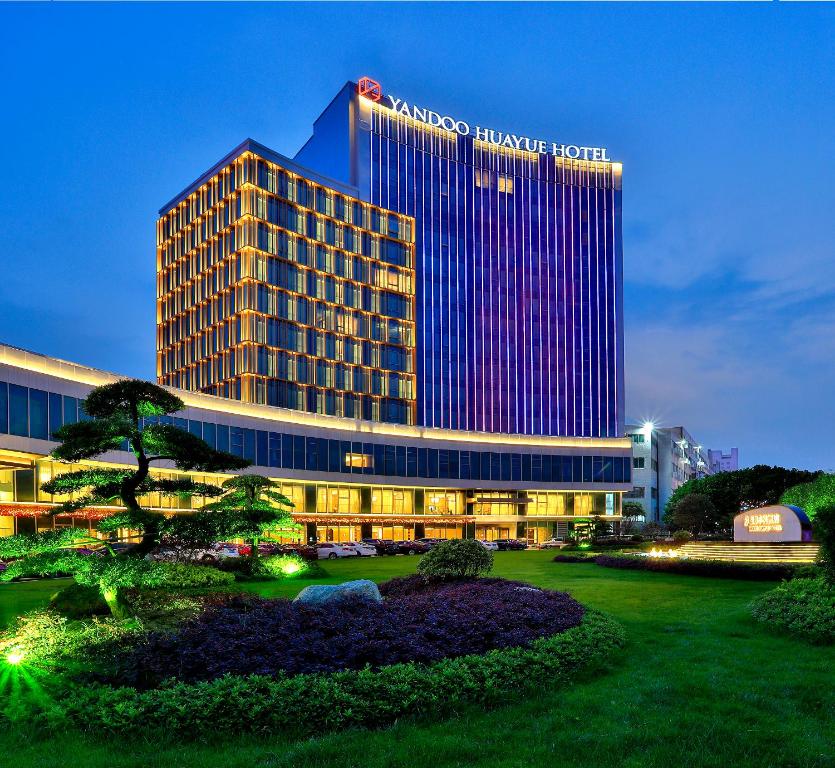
[(778, 522), (487, 135)]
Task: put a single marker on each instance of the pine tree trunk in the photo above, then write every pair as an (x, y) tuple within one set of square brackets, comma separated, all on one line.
[(115, 599)]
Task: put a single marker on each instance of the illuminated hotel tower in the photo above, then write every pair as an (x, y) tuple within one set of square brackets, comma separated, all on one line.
[(278, 287), (518, 266)]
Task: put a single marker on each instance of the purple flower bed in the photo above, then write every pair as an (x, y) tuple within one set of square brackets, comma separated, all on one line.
[(416, 622)]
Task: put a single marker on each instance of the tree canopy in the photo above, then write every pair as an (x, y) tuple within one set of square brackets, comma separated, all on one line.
[(695, 513), (732, 492), (118, 414), (813, 496), (250, 507)]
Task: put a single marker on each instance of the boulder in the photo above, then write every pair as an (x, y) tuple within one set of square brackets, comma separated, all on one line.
[(321, 594)]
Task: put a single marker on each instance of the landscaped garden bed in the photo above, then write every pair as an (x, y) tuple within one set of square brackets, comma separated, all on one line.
[(192, 666), (418, 621)]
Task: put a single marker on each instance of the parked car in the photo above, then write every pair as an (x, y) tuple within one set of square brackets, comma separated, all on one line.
[(552, 544), (307, 551), (430, 541), (269, 548), (412, 547), (362, 549), (326, 550), (384, 546), (506, 544), (491, 545), (207, 555)]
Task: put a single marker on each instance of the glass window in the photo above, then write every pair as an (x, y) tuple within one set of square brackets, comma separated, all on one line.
[(55, 413), (70, 410), (38, 414), (4, 407), (18, 410)]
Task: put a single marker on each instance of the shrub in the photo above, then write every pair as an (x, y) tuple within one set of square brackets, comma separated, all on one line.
[(682, 537), (189, 576), (722, 569), (248, 635), (286, 566), (79, 601), (48, 637), (824, 527), (805, 607), (573, 558), (328, 702), (456, 559)]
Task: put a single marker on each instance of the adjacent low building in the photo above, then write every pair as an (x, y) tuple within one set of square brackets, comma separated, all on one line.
[(348, 478), (663, 459), (720, 460)]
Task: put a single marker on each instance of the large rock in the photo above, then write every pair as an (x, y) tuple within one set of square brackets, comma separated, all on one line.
[(321, 594)]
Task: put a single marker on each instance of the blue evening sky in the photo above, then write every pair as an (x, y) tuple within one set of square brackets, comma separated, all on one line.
[(723, 115)]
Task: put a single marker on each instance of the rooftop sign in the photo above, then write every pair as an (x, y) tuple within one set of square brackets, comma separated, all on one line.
[(372, 90)]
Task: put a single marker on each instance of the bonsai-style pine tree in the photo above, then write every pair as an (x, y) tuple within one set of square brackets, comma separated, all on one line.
[(250, 508), (116, 412)]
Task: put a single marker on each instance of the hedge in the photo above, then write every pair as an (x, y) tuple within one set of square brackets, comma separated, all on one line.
[(804, 607), (317, 702), (721, 569)]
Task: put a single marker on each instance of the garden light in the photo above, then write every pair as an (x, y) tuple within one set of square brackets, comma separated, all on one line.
[(289, 566), (15, 656)]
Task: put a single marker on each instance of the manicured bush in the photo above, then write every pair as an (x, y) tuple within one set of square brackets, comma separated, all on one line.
[(682, 537), (272, 567), (50, 638), (456, 559), (188, 576), (291, 565), (79, 601), (723, 569), (824, 529), (574, 558), (805, 607), (248, 635), (327, 702), (244, 568)]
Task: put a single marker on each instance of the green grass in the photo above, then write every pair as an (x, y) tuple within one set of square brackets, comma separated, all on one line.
[(699, 684)]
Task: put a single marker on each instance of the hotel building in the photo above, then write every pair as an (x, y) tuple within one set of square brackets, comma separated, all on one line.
[(348, 478), (273, 288), (518, 263), (421, 337)]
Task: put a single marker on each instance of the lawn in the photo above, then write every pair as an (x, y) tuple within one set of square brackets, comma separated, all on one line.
[(700, 684)]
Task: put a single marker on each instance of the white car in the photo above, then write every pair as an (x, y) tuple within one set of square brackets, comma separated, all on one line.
[(362, 549), (491, 545), (329, 551), (553, 544)]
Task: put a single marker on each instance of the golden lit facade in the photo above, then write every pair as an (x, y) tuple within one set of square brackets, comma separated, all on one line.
[(275, 288)]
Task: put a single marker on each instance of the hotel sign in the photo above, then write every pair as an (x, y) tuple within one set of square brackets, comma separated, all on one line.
[(370, 89), (778, 522)]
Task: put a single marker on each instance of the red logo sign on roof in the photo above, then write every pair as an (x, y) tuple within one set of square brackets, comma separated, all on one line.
[(369, 88)]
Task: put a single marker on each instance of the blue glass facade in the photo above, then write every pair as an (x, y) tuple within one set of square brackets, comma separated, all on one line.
[(36, 413), (518, 270)]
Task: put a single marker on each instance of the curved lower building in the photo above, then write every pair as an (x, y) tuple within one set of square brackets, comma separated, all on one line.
[(348, 478)]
